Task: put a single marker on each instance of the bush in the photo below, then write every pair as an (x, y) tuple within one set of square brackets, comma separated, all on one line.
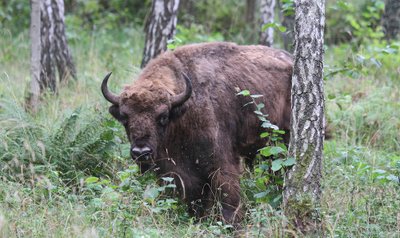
[(79, 143)]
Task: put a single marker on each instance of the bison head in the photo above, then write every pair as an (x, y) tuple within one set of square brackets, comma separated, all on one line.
[(145, 110)]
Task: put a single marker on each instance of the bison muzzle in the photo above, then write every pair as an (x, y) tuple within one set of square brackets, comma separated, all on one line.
[(184, 119)]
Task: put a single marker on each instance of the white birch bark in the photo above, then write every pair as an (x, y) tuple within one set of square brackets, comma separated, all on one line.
[(160, 27), (267, 16), (47, 76), (62, 53), (49, 48), (302, 189), (34, 90)]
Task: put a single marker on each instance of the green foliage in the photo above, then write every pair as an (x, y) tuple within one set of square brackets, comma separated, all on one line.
[(100, 14), (274, 25), (359, 24), (194, 34), (77, 143), (14, 15), (266, 185), (288, 7)]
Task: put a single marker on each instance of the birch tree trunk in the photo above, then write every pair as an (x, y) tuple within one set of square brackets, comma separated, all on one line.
[(160, 27), (63, 56), (48, 74), (302, 189), (34, 91), (391, 19), (49, 49), (267, 16)]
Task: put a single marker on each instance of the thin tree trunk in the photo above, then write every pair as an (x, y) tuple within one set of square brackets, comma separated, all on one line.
[(302, 189), (287, 19), (34, 90), (391, 19), (267, 16), (250, 9), (65, 65), (160, 27), (250, 19), (47, 75)]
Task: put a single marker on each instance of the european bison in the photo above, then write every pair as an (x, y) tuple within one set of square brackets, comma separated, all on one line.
[(184, 120)]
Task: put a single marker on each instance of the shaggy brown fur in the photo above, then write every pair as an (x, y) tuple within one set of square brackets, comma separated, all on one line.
[(204, 139)]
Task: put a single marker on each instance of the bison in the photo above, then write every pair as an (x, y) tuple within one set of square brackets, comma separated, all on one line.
[(184, 119)]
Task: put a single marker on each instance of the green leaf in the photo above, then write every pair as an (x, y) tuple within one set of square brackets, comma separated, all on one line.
[(244, 93), (273, 25), (150, 194), (268, 25), (167, 179), (260, 106), (264, 134), (289, 161), (265, 151), (269, 125), (171, 185), (282, 28), (276, 150), (260, 195), (276, 165), (91, 180)]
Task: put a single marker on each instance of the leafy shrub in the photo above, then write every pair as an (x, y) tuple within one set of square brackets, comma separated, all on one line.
[(14, 15), (355, 22), (78, 143), (267, 182)]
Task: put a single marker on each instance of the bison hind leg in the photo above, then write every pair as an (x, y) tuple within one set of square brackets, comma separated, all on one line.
[(226, 190)]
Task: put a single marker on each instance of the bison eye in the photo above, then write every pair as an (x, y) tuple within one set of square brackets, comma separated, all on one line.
[(163, 119)]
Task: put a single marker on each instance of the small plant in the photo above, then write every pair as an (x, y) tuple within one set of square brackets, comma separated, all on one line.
[(271, 161), (144, 191)]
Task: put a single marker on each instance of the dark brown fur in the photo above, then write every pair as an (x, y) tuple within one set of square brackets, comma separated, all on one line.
[(205, 138)]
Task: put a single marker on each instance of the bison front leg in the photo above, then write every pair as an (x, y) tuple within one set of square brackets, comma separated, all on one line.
[(226, 187)]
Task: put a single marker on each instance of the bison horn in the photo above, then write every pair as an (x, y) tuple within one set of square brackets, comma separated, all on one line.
[(114, 99), (181, 98)]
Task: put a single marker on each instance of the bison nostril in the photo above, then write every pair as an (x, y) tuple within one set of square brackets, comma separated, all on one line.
[(137, 152)]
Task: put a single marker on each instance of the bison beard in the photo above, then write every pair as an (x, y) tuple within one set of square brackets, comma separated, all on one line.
[(183, 118)]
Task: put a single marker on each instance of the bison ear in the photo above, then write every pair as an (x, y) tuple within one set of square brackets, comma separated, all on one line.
[(177, 112), (114, 111)]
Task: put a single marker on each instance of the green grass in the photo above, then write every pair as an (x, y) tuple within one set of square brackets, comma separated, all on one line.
[(66, 172)]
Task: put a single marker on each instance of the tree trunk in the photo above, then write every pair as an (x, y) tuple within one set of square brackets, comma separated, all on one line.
[(391, 19), (48, 35), (160, 27), (302, 183), (250, 9), (250, 20), (267, 16), (65, 65), (47, 75), (287, 18), (34, 91)]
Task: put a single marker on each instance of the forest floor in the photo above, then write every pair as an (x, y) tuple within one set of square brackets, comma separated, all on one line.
[(73, 139)]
